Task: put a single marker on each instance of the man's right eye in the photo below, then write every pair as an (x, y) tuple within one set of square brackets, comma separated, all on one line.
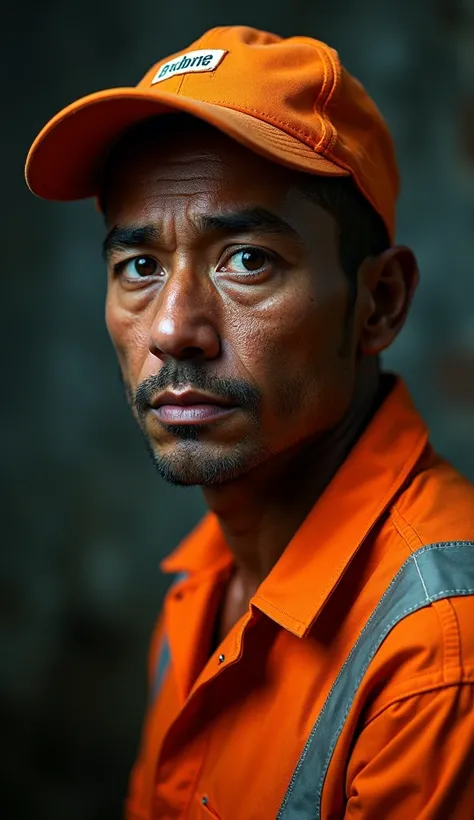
[(137, 268)]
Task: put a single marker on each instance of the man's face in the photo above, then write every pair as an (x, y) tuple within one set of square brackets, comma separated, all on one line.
[(226, 304)]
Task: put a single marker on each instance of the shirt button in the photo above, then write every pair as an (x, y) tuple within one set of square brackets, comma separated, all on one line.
[(204, 800), (221, 658)]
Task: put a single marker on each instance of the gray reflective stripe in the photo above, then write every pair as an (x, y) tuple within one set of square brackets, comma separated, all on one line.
[(161, 667), (434, 572), (163, 658)]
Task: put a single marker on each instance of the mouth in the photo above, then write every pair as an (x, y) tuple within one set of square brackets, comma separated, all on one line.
[(189, 407)]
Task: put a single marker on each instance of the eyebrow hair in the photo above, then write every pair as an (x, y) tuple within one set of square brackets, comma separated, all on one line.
[(250, 220), (122, 238)]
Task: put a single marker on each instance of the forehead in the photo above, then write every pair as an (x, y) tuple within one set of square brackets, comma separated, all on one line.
[(188, 159)]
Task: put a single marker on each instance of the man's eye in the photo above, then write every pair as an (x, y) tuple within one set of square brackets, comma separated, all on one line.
[(248, 260), (138, 267)]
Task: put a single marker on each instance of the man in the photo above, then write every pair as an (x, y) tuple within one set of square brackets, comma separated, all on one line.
[(315, 655)]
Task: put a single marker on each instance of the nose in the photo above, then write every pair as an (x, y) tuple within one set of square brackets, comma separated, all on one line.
[(184, 324)]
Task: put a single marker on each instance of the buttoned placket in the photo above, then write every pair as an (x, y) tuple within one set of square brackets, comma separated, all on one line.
[(190, 603)]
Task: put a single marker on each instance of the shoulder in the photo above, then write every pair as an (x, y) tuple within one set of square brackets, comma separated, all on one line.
[(436, 505), (432, 647)]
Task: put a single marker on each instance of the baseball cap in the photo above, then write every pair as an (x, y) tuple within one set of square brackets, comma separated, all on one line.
[(287, 99)]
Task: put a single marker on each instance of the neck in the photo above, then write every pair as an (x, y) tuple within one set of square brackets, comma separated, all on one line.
[(260, 512)]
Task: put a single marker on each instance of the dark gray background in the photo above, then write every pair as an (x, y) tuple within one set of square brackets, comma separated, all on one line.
[(86, 518)]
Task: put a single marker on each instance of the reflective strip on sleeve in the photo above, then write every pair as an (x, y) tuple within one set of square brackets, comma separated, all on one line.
[(437, 571)]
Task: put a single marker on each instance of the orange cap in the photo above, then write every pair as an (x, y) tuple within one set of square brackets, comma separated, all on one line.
[(289, 100)]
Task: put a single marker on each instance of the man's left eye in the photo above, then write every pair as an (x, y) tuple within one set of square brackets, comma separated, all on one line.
[(247, 260)]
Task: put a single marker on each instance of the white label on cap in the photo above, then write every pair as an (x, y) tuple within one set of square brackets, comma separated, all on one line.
[(201, 60)]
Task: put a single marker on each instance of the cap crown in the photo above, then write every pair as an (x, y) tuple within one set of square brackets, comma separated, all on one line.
[(299, 86)]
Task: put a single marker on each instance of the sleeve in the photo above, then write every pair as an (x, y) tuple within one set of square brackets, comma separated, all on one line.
[(414, 760)]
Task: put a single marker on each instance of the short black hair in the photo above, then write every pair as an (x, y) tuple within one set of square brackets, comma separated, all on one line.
[(362, 231)]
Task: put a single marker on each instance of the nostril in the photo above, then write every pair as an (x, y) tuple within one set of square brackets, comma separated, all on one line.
[(189, 340), (191, 353)]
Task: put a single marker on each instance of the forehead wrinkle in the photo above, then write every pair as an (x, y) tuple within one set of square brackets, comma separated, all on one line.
[(183, 196), (185, 171), (194, 156)]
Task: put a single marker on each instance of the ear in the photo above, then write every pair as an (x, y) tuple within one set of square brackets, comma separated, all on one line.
[(386, 284)]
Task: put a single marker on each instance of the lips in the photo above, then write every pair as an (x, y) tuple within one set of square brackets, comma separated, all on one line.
[(189, 407)]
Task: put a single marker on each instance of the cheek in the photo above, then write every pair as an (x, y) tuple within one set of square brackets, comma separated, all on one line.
[(292, 351), (130, 339), (283, 337)]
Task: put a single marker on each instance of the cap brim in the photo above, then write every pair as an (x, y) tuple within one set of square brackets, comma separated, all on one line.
[(66, 159)]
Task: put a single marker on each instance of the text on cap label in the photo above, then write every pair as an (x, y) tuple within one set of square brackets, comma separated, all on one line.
[(200, 60)]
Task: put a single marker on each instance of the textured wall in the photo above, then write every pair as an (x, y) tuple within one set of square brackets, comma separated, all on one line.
[(86, 518)]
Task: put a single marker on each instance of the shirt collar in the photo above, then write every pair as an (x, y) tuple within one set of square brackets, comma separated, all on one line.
[(323, 547)]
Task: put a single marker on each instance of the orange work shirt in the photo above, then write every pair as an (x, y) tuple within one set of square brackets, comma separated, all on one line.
[(347, 689)]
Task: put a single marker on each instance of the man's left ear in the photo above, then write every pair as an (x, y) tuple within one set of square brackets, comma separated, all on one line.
[(386, 285)]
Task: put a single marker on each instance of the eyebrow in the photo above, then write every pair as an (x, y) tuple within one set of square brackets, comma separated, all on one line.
[(250, 220), (122, 238)]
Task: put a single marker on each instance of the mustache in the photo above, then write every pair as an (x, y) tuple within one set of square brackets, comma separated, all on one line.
[(177, 374)]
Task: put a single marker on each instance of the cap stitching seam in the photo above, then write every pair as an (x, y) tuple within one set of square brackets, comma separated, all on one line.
[(184, 77), (268, 118), (336, 76), (329, 154), (318, 98), (323, 141)]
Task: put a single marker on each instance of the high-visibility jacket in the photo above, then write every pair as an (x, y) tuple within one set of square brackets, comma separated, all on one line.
[(347, 689)]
